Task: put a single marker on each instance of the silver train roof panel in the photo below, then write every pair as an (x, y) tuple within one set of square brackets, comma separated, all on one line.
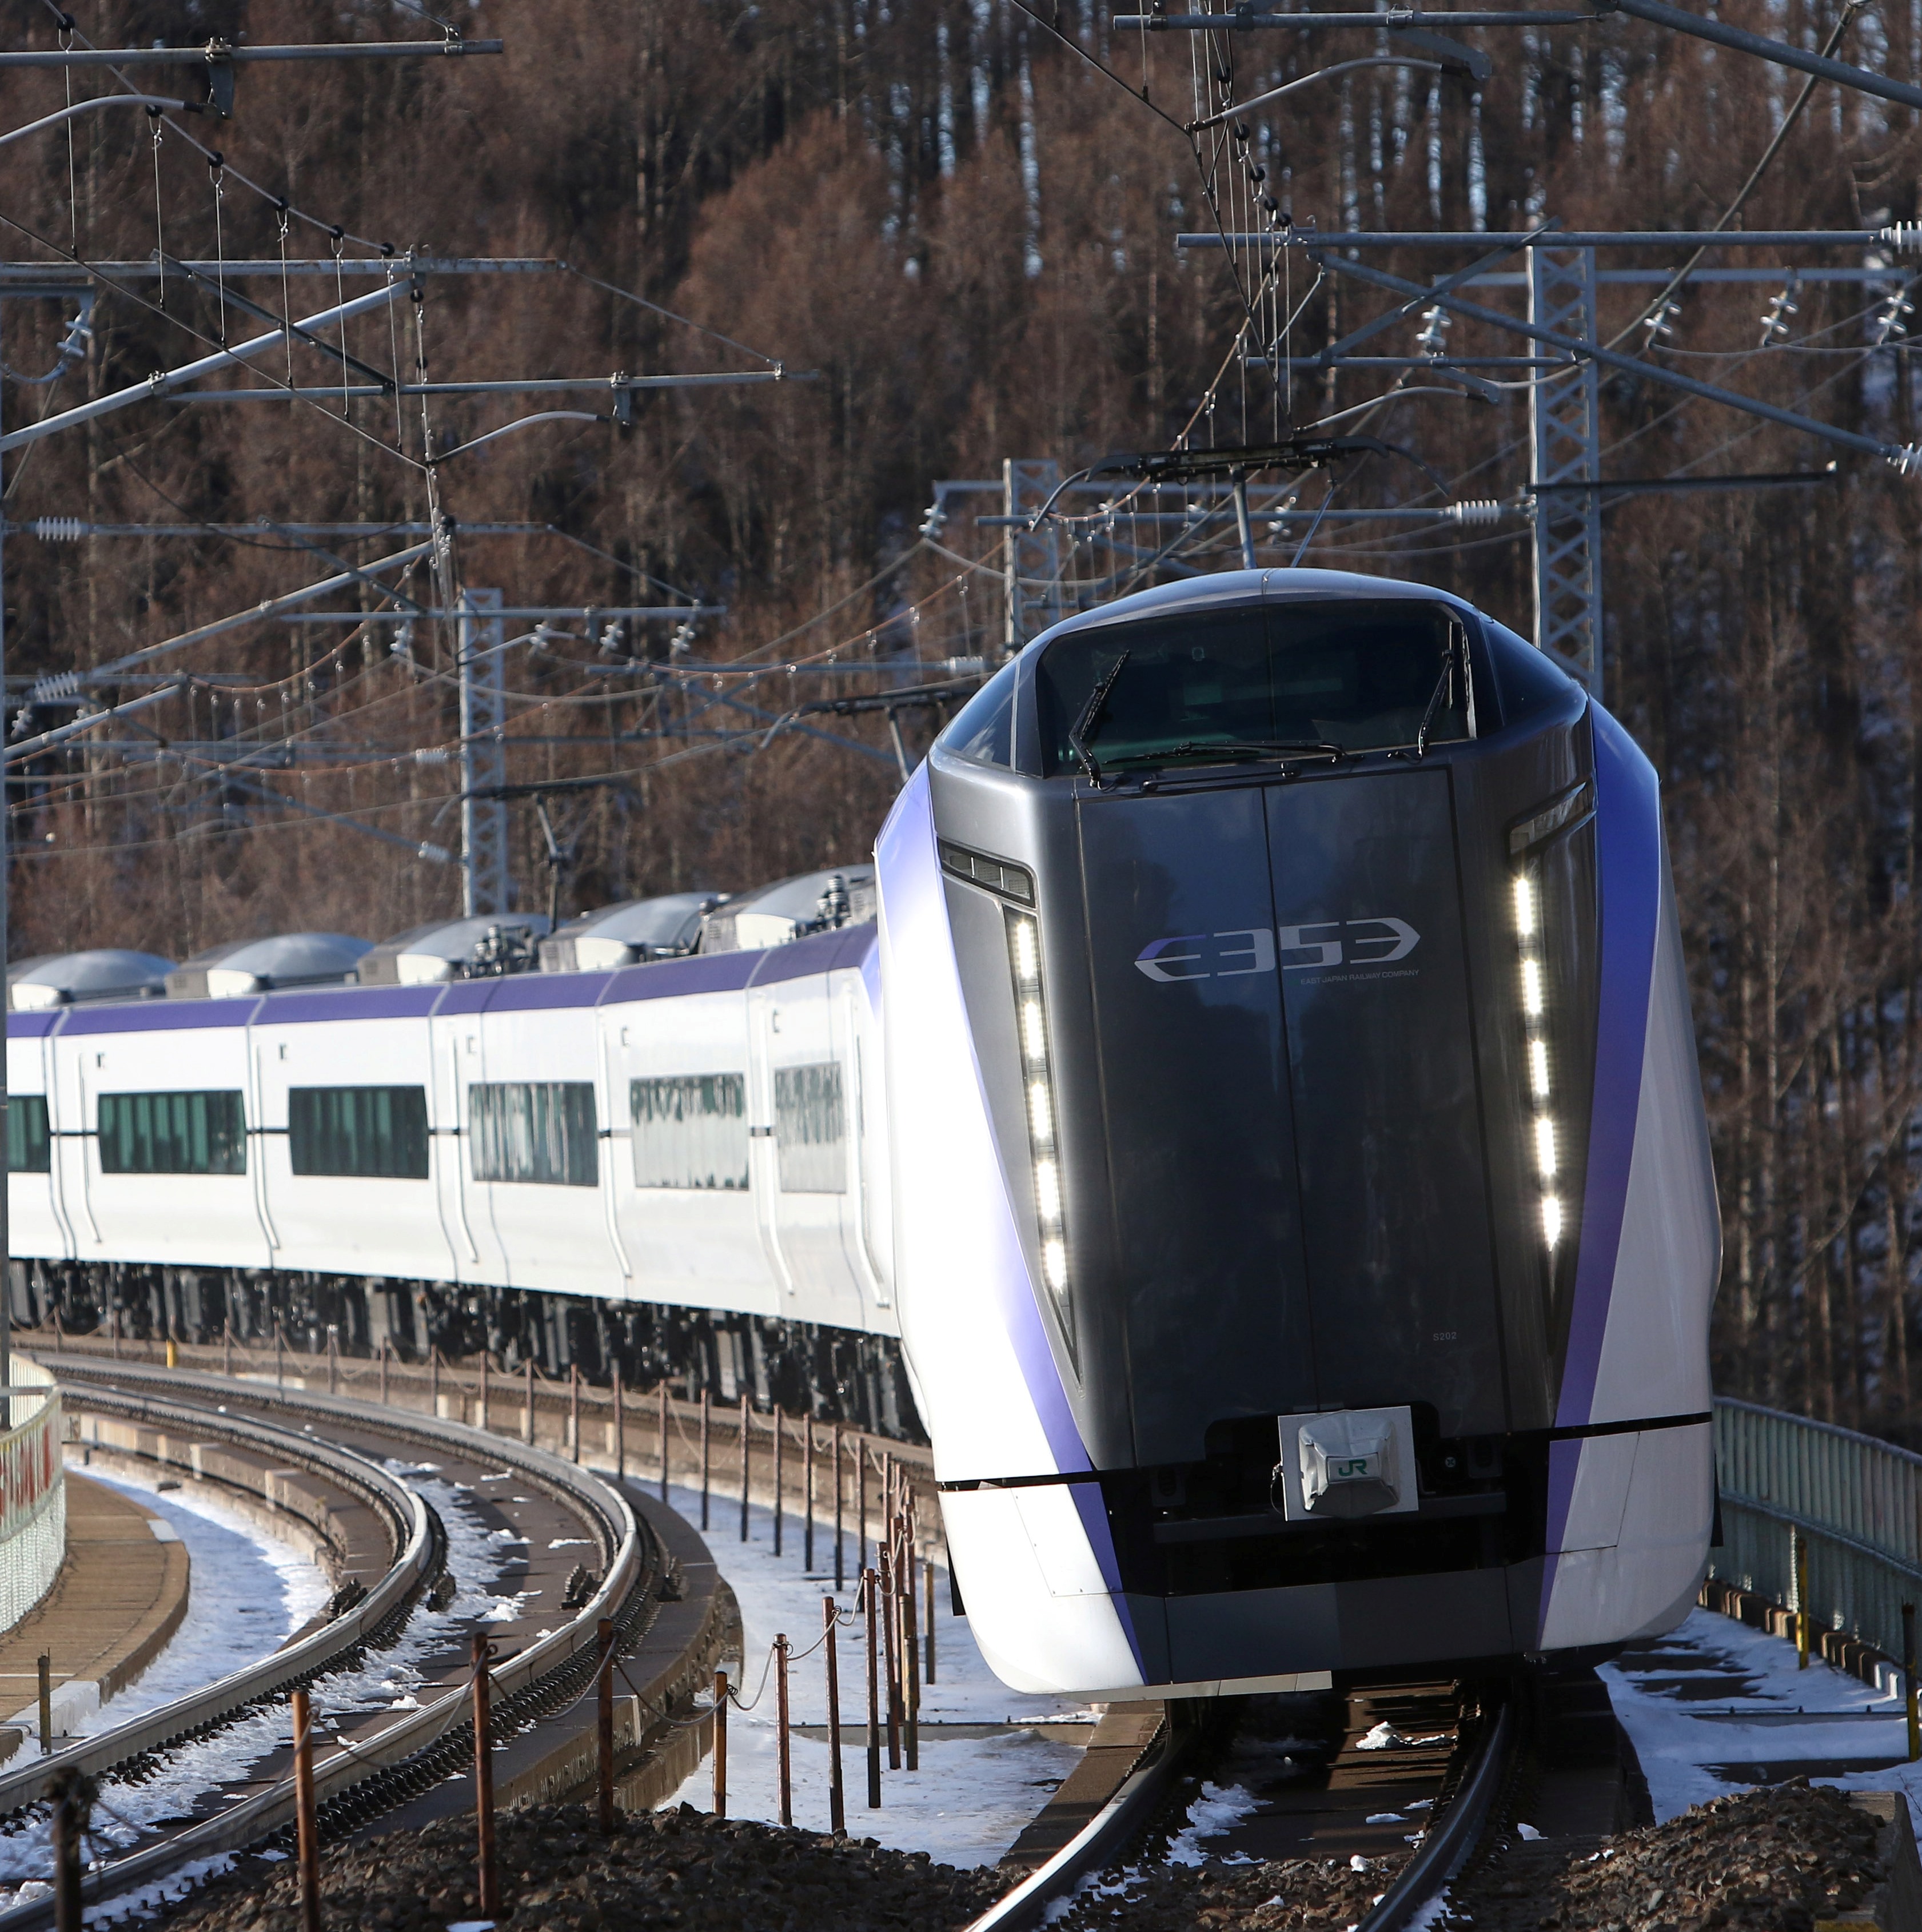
[(243, 966), (625, 934), (791, 908), (106, 973), (454, 948)]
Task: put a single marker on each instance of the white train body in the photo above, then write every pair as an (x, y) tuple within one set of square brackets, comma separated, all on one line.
[(817, 1250)]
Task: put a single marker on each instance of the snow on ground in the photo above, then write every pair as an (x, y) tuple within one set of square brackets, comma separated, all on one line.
[(383, 1679), (972, 1796), (1675, 1707), (247, 1593)]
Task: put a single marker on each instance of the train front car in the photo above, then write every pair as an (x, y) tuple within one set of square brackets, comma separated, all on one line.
[(1306, 1228)]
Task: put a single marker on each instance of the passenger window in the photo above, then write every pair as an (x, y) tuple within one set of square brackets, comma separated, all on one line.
[(378, 1131), (691, 1131), (810, 1130), (29, 1146), (172, 1133), (542, 1131)]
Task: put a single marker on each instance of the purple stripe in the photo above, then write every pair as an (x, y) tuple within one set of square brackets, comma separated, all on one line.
[(465, 996), (161, 1016), (670, 979), (819, 952), (1629, 861), (541, 992), (350, 1002), (1628, 853), (34, 1026)]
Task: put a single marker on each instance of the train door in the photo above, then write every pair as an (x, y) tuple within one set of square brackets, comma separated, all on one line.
[(763, 1167), (1375, 990), (455, 1061)]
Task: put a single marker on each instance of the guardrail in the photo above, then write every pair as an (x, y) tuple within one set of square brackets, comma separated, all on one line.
[(632, 1562), (410, 1525), (1855, 1502)]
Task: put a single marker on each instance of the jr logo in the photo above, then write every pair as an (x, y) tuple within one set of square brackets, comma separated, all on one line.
[(1323, 943), (1351, 1467)]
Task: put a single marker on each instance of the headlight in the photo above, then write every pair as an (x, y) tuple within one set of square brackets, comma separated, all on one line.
[(1038, 1078), (1533, 993)]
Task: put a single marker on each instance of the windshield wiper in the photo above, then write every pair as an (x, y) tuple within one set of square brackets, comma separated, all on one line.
[(1443, 686), (1257, 748), (1081, 733)]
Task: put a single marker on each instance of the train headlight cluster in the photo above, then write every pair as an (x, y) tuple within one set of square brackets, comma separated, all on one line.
[(1526, 841), (1038, 1081), (1541, 1089)]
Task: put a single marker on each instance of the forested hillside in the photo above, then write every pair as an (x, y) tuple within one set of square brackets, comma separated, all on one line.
[(945, 213)]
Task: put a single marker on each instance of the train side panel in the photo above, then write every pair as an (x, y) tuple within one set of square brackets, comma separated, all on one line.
[(357, 1223), (208, 1213)]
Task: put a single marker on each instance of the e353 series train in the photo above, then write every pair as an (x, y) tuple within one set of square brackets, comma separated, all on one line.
[(1267, 1112), (1305, 1231)]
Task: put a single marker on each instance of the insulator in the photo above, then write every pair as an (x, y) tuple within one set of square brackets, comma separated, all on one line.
[(62, 684), (431, 755), (1477, 514), (438, 855), (59, 529), (1906, 460), (1905, 237)]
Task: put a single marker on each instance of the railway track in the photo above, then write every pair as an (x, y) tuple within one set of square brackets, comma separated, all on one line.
[(560, 1548), (1456, 1778)]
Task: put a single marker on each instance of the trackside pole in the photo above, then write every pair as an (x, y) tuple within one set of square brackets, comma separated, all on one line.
[(840, 1575), (890, 1613), (837, 1795), (783, 1739), (483, 1782), (807, 1484), (73, 1796), (604, 1728), (910, 1653), (706, 1470), (307, 1827), (721, 1744), (1908, 1696), (744, 1468), (868, 1594), (927, 1572), (1798, 1557), (527, 1419), (779, 1432)]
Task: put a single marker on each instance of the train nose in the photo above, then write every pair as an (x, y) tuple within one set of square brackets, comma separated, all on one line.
[(1283, 1036)]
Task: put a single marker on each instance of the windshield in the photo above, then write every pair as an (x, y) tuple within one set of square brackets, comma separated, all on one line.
[(1358, 675)]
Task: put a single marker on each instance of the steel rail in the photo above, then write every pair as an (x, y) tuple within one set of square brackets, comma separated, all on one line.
[(1444, 1850), (630, 1557), (408, 1517), (1131, 1807)]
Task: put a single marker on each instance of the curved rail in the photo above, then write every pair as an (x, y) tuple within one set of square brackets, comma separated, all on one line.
[(630, 1558), (1125, 1813), (406, 1513), (1445, 1849)]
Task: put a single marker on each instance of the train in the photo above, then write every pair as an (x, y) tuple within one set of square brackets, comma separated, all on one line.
[(1253, 1081)]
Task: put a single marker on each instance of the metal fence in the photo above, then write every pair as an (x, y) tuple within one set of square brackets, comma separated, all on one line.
[(1857, 1503)]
